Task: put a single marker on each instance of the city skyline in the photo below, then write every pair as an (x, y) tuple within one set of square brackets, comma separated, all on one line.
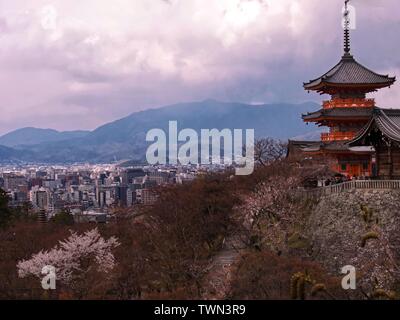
[(72, 67)]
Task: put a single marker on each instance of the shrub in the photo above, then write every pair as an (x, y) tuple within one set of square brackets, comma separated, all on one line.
[(368, 236), (264, 275)]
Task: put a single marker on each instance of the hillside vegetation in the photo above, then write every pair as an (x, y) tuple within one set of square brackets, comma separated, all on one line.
[(290, 247)]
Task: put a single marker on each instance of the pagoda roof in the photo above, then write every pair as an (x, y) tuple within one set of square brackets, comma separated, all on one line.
[(340, 113), (335, 147), (348, 73), (386, 120)]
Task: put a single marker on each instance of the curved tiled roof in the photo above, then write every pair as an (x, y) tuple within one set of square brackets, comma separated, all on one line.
[(349, 72), (386, 120), (334, 146), (339, 113)]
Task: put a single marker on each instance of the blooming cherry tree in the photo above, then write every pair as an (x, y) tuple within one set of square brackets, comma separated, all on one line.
[(267, 213), (73, 256)]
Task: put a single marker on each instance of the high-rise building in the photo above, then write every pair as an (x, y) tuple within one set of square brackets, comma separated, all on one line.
[(13, 182), (40, 198), (148, 196), (130, 196), (130, 174)]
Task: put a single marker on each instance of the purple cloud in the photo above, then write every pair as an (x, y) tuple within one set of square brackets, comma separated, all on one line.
[(67, 67)]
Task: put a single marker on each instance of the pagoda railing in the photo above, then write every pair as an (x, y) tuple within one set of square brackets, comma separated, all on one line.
[(349, 103), (337, 136)]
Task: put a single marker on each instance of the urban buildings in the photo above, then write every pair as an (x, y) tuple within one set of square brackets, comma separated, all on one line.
[(89, 191)]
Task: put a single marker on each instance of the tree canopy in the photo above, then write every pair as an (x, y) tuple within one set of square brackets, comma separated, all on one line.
[(5, 212)]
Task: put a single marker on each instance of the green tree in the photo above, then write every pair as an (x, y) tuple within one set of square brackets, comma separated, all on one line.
[(63, 218), (5, 212)]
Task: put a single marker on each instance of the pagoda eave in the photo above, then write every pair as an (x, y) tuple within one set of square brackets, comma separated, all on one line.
[(336, 153), (342, 149), (333, 88), (333, 119), (336, 114)]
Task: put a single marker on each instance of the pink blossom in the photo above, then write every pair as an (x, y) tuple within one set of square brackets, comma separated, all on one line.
[(68, 255)]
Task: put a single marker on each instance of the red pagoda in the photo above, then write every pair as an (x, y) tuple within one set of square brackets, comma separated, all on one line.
[(346, 113)]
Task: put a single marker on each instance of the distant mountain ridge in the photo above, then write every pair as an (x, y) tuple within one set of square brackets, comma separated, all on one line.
[(311, 136), (126, 137), (11, 155), (31, 136)]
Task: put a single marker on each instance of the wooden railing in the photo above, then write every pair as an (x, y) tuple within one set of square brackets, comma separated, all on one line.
[(337, 136), (349, 103), (351, 185)]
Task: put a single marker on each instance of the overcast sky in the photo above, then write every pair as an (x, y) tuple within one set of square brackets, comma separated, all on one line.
[(76, 64)]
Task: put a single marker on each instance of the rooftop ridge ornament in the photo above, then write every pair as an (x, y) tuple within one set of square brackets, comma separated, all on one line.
[(346, 28)]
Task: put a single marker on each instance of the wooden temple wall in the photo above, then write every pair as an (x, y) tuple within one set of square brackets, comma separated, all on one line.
[(388, 164)]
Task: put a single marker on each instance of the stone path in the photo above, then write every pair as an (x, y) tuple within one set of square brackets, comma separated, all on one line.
[(217, 282)]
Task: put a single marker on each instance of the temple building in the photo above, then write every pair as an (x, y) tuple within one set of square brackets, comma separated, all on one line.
[(382, 133), (363, 140)]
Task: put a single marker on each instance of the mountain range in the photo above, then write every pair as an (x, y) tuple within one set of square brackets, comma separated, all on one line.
[(32, 136), (126, 138)]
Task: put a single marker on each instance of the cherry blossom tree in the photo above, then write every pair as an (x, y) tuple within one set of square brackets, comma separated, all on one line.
[(77, 255), (267, 213)]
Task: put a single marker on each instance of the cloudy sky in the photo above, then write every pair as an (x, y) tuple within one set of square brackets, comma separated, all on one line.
[(69, 64)]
